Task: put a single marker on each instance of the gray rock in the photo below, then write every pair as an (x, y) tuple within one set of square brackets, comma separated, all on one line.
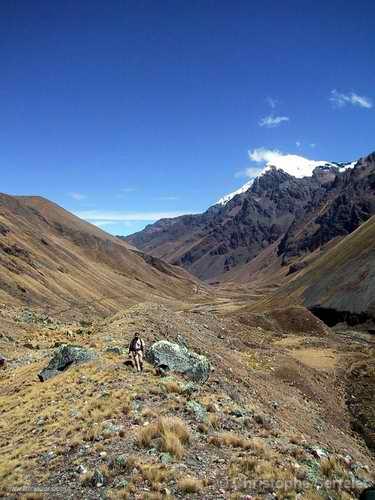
[(3, 361), (190, 388), (40, 421), (98, 479), (198, 411), (178, 358), (48, 456), (81, 469), (166, 458), (64, 357), (120, 461), (110, 427)]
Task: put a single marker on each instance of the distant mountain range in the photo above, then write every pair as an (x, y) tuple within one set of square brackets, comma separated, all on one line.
[(278, 219)]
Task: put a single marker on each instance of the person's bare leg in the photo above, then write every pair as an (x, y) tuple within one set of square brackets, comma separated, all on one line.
[(137, 364)]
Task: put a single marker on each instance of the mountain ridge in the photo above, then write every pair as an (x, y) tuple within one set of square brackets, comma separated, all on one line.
[(51, 258), (300, 213)]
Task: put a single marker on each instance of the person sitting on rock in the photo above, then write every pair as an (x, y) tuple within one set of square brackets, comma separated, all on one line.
[(136, 350)]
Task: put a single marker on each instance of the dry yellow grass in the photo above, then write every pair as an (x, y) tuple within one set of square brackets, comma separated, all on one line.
[(156, 475), (171, 433), (330, 467), (229, 439), (190, 485), (62, 412), (172, 386)]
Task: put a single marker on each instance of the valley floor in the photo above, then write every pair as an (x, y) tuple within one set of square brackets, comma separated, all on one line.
[(285, 412)]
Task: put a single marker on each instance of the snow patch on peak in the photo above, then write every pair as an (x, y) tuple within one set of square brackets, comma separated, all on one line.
[(294, 165), (224, 200)]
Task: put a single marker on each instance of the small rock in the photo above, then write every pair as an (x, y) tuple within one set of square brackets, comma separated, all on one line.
[(40, 421), (111, 427), (120, 461), (190, 388), (198, 411), (166, 458), (47, 457), (123, 483), (319, 452), (81, 469), (98, 479)]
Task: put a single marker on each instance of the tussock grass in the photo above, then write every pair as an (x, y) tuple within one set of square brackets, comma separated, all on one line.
[(330, 467), (170, 434), (229, 439), (172, 386), (156, 475), (190, 485)]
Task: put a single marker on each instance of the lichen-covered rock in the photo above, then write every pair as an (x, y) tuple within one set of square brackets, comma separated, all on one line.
[(64, 357), (199, 411), (177, 358)]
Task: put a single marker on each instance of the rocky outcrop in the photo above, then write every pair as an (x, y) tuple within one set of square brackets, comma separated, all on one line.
[(177, 358), (64, 357)]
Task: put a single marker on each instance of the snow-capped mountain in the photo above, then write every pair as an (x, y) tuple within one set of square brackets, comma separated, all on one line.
[(295, 165), (291, 208)]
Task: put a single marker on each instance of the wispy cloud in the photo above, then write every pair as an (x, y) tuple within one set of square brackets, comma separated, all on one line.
[(128, 190), (298, 144), (77, 196), (272, 103), (272, 121), (263, 155), (312, 145), (339, 100), (103, 217)]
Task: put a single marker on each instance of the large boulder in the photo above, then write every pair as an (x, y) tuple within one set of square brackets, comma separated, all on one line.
[(63, 357), (176, 357)]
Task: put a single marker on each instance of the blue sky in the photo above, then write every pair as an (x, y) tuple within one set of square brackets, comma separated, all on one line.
[(127, 111)]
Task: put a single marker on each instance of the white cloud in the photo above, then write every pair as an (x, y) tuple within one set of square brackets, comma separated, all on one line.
[(340, 100), (295, 165), (77, 196), (103, 217), (273, 121), (128, 190), (298, 144), (312, 145), (272, 102)]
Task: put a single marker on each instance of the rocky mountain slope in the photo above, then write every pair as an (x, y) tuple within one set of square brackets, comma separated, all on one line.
[(281, 415), (50, 258), (338, 285), (293, 214)]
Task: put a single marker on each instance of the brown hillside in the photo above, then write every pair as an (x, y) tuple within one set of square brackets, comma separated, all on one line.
[(50, 258), (342, 279)]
